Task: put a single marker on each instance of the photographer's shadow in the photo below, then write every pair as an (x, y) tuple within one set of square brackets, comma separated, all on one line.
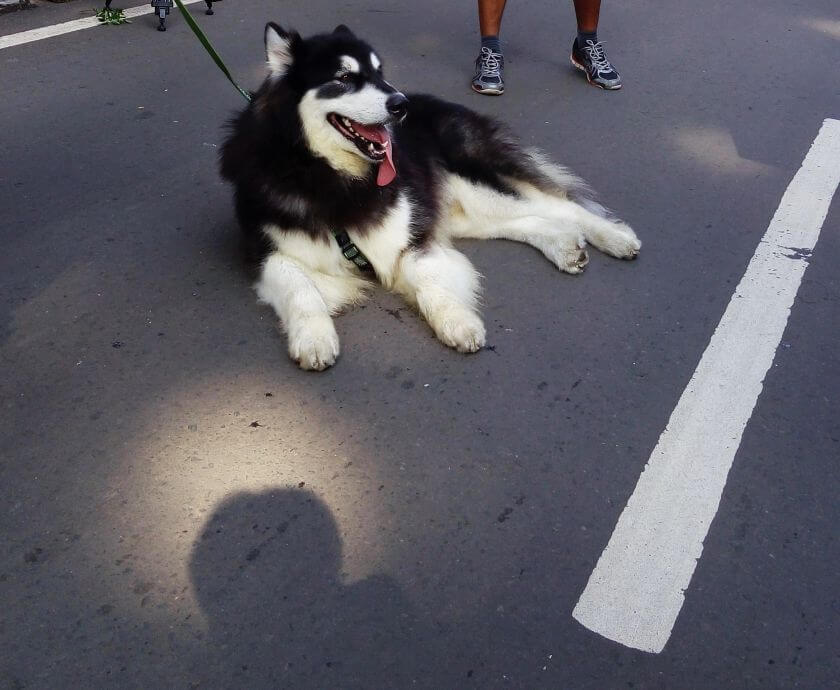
[(266, 572)]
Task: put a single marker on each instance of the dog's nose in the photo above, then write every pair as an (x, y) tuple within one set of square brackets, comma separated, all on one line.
[(397, 105)]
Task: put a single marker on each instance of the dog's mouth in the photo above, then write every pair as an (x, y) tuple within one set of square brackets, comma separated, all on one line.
[(372, 140)]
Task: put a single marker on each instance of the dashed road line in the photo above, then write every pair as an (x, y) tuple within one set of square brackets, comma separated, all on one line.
[(637, 589)]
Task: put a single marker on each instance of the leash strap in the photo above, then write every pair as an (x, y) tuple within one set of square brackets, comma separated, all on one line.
[(350, 251), (199, 34)]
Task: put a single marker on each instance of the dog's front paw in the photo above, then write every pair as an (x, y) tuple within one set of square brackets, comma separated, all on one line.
[(313, 343), (463, 331)]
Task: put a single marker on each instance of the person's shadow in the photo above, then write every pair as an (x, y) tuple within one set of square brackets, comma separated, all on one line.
[(266, 574)]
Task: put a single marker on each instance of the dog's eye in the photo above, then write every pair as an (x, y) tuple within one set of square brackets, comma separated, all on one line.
[(345, 77)]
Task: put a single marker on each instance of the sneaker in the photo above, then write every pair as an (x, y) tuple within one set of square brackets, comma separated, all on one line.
[(489, 66), (593, 61)]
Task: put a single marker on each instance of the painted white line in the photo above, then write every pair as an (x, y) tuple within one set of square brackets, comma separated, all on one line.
[(68, 27), (637, 588)]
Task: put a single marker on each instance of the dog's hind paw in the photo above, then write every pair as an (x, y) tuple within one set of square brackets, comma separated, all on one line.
[(571, 261), (621, 242), (314, 344)]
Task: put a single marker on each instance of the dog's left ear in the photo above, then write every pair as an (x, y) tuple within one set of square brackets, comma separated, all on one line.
[(342, 30), (280, 48)]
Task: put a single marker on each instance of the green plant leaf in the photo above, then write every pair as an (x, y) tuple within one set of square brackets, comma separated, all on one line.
[(111, 16)]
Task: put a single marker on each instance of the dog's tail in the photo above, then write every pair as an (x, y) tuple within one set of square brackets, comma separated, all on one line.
[(557, 180)]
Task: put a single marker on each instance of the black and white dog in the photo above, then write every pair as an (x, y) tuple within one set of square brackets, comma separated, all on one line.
[(330, 160)]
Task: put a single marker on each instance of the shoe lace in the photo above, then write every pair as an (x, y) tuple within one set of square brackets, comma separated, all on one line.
[(491, 63), (596, 55)]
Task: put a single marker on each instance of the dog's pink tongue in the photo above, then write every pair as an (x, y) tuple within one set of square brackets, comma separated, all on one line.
[(387, 171)]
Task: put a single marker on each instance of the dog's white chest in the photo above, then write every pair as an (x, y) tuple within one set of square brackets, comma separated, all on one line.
[(384, 243), (317, 255)]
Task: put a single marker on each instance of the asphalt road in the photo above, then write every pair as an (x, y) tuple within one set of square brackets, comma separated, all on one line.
[(182, 507)]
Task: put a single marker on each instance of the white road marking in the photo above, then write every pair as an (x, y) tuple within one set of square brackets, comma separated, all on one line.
[(68, 27), (637, 588)]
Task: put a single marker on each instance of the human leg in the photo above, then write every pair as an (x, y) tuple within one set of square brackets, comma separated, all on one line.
[(588, 52), (489, 65)]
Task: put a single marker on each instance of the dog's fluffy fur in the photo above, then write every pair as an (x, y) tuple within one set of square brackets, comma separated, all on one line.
[(305, 158)]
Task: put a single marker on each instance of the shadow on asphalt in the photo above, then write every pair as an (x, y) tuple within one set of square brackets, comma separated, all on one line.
[(266, 572)]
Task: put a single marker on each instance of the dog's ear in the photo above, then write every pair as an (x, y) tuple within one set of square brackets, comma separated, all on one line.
[(280, 48), (342, 30)]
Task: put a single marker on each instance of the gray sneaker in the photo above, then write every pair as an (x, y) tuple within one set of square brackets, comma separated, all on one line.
[(489, 66), (592, 60)]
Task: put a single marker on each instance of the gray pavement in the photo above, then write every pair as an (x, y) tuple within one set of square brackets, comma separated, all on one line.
[(182, 507)]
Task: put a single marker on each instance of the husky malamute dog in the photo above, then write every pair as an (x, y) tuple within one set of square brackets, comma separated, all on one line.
[(341, 180)]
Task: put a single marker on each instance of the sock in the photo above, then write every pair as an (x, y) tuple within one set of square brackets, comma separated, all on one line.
[(492, 42), (584, 36)]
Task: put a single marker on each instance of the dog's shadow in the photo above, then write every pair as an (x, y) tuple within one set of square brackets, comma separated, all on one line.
[(265, 570)]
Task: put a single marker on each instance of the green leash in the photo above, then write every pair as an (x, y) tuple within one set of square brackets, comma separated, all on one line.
[(199, 34)]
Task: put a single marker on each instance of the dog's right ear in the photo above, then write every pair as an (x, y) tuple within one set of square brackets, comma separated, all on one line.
[(280, 48)]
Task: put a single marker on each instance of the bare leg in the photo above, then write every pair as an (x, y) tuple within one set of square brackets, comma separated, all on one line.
[(587, 13), (490, 16)]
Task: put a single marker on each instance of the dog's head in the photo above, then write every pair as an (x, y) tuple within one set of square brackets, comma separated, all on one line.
[(344, 103)]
